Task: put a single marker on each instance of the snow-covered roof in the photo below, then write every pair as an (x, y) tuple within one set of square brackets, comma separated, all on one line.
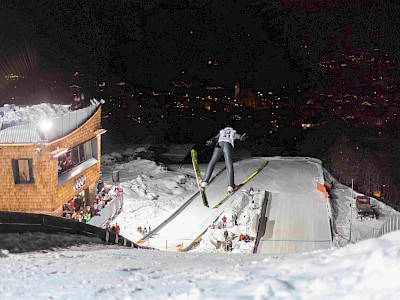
[(22, 125)]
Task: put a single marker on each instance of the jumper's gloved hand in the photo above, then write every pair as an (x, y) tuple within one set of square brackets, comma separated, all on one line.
[(243, 137), (209, 143)]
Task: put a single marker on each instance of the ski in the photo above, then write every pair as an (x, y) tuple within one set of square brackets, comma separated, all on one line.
[(240, 185), (198, 176)]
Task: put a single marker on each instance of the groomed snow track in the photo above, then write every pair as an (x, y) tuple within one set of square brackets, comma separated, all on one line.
[(297, 214)]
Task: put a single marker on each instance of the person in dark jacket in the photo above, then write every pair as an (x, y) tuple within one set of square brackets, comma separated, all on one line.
[(78, 103), (100, 186), (92, 210), (78, 202)]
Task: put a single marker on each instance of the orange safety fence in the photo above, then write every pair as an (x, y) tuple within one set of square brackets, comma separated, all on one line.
[(321, 188)]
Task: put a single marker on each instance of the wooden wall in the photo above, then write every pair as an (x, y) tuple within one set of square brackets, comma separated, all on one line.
[(44, 195)]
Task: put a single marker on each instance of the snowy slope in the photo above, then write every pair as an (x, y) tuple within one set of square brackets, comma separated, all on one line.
[(297, 217), (367, 270)]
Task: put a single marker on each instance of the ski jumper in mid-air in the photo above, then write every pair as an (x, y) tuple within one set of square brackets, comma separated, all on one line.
[(225, 142)]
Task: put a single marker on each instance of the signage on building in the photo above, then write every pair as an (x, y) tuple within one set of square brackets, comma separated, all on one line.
[(79, 182)]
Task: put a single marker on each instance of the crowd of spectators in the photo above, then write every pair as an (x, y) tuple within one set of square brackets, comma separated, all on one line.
[(65, 163), (229, 236), (244, 237), (143, 231), (114, 228), (77, 210)]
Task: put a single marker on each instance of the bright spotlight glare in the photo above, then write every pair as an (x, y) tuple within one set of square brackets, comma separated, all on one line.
[(45, 125)]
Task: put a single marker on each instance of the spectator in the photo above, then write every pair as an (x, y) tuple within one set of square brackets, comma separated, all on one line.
[(78, 102), (229, 246), (92, 210), (223, 222), (71, 204), (78, 203), (241, 237), (68, 162), (226, 234), (87, 217), (79, 218), (234, 220), (66, 207), (112, 228), (100, 186), (246, 238), (117, 228), (106, 188), (100, 205)]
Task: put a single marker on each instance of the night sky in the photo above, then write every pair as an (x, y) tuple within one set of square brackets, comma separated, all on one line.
[(261, 43)]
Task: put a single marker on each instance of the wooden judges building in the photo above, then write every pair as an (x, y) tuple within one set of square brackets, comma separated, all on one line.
[(44, 165)]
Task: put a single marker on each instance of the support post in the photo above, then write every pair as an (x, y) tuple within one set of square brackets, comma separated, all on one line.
[(351, 208)]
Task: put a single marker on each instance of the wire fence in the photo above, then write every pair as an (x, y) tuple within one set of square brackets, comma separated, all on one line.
[(393, 224)]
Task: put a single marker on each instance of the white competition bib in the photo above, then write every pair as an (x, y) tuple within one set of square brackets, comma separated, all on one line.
[(227, 135)]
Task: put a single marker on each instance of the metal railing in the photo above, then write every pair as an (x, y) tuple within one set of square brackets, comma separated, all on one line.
[(108, 213), (393, 224), (262, 220), (29, 132), (67, 123)]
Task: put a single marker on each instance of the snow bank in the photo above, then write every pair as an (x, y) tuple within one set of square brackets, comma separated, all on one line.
[(241, 218), (34, 113), (129, 154), (151, 193)]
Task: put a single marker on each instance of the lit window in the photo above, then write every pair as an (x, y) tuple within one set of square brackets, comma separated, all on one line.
[(23, 171)]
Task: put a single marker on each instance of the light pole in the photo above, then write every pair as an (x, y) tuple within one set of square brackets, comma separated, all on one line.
[(351, 208), (351, 217)]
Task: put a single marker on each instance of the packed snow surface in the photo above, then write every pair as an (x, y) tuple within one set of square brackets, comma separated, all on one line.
[(366, 270)]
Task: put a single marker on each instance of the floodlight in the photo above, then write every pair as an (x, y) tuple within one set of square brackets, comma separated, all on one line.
[(45, 125)]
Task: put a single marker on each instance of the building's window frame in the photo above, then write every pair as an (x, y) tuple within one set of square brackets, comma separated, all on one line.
[(16, 163), (81, 153)]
